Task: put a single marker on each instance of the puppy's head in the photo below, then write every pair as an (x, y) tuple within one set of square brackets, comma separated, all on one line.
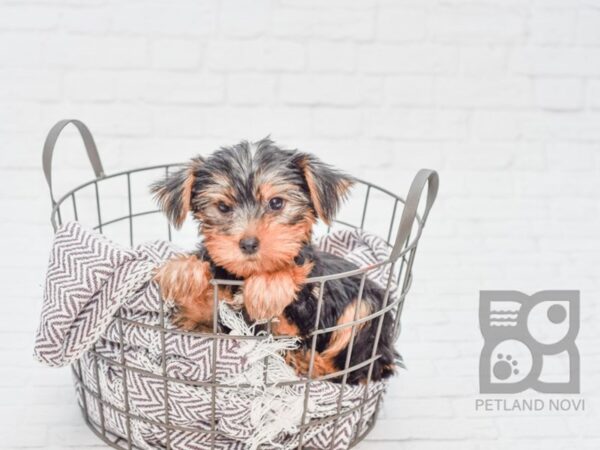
[(256, 203)]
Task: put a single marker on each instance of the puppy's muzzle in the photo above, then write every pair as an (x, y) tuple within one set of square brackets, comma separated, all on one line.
[(249, 245)]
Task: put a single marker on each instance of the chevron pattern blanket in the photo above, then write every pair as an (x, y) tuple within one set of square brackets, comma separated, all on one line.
[(91, 280)]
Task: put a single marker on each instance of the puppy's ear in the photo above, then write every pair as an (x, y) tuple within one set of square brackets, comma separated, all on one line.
[(327, 186), (174, 192)]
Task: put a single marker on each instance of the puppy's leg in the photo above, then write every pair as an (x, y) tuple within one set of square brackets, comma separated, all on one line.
[(266, 295), (324, 362), (185, 279), (300, 361)]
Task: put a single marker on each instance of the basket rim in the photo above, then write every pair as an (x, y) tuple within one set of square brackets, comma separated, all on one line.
[(318, 279)]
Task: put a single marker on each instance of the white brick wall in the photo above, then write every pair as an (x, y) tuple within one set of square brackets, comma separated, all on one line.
[(502, 97)]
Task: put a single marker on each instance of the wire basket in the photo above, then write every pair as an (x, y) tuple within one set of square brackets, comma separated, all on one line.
[(119, 205)]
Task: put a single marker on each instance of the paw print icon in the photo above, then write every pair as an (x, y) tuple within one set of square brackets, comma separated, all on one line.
[(529, 342)]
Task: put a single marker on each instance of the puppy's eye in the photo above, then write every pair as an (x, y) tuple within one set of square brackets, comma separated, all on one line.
[(276, 203), (223, 207)]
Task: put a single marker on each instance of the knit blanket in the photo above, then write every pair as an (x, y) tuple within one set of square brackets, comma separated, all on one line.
[(91, 280)]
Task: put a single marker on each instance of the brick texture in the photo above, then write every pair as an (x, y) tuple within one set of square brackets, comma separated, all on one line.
[(501, 96)]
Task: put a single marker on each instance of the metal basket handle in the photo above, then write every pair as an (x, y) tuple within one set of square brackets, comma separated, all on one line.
[(88, 142), (409, 213)]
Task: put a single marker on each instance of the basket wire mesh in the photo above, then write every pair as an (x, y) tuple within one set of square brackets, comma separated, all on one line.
[(402, 245)]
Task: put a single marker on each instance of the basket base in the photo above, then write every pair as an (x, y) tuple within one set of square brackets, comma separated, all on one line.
[(121, 443)]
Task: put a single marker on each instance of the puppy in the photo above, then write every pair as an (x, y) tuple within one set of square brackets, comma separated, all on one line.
[(256, 205)]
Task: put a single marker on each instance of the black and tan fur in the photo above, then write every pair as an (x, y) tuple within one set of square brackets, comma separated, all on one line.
[(256, 205)]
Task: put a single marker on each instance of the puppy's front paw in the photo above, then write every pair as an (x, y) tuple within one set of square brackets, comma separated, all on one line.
[(266, 295), (193, 319), (183, 279)]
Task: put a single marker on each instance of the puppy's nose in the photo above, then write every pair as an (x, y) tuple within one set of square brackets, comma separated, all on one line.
[(249, 245)]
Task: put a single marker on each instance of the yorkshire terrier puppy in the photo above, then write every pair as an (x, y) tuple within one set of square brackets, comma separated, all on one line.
[(256, 205)]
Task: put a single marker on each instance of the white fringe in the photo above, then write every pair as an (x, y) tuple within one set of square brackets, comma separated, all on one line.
[(275, 409)]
